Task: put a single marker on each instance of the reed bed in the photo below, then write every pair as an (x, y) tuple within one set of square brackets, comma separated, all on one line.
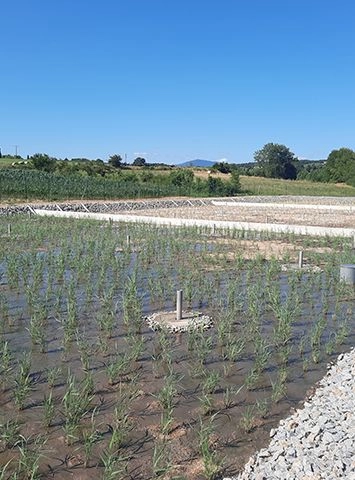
[(87, 388)]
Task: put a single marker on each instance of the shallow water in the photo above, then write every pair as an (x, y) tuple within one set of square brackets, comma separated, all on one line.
[(89, 272)]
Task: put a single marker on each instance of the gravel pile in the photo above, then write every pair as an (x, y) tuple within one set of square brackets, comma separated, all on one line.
[(167, 320), (106, 207), (13, 210), (132, 205), (317, 441)]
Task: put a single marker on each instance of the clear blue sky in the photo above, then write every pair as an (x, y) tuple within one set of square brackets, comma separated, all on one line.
[(177, 80)]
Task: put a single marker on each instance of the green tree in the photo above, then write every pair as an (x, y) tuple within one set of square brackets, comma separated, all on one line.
[(42, 161), (139, 162), (340, 165), (235, 182), (222, 167), (276, 161), (181, 177), (115, 161)]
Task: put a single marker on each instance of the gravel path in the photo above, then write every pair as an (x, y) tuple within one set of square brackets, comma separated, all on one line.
[(244, 212), (318, 440)]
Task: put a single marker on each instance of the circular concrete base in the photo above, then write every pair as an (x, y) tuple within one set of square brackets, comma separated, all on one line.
[(189, 321), (305, 269)]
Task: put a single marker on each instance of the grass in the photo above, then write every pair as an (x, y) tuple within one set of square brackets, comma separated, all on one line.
[(274, 186), (7, 162)]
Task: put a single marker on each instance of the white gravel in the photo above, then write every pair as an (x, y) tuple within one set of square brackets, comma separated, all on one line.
[(318, 440)]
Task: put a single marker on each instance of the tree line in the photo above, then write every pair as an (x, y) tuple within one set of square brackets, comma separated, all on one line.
[(277, 161), (272, 161)]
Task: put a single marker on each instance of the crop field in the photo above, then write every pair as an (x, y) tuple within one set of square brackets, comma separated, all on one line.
[(88, 390)]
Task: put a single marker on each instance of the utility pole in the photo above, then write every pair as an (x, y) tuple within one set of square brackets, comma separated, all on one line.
[(16, 147)]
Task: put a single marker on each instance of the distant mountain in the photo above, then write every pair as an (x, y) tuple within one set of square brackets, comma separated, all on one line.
[(197, 163)]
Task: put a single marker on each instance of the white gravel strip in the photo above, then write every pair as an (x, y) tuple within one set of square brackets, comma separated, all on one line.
[(294, 206), (318, 440), (287, 199)]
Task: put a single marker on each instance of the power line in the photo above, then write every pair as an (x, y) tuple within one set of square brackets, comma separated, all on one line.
[(16, 149)]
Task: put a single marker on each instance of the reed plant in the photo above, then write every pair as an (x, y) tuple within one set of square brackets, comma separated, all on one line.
[(106, 322), (285, 314), (10, 433), (284, 352), (5, 362), (76, 403), (212, 462), (278, 389), (162, 354), (262, 407), (119, 427), (37, 331), (136, 346), (166, 398), (22, 381), (4, 307), (31, 450), (210, 381), (114, 463), (48, 409), (252, 378), (202, 348), (342, 332), (132, 305), (330, 345), (119, 365), (262, 353), (229, 395), (247, 421), (161, 459), (90, 436), (53, 374), (88, 383), (84, 349)]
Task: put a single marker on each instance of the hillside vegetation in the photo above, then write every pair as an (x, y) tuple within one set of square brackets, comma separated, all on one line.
[(44, 178)]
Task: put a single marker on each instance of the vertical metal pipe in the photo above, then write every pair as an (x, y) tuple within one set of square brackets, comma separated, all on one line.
[(178, 304), (128, 240), (300, 259), (9, 229)]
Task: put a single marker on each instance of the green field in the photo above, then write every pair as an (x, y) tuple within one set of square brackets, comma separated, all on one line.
[(6, 162), (274, 186)]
